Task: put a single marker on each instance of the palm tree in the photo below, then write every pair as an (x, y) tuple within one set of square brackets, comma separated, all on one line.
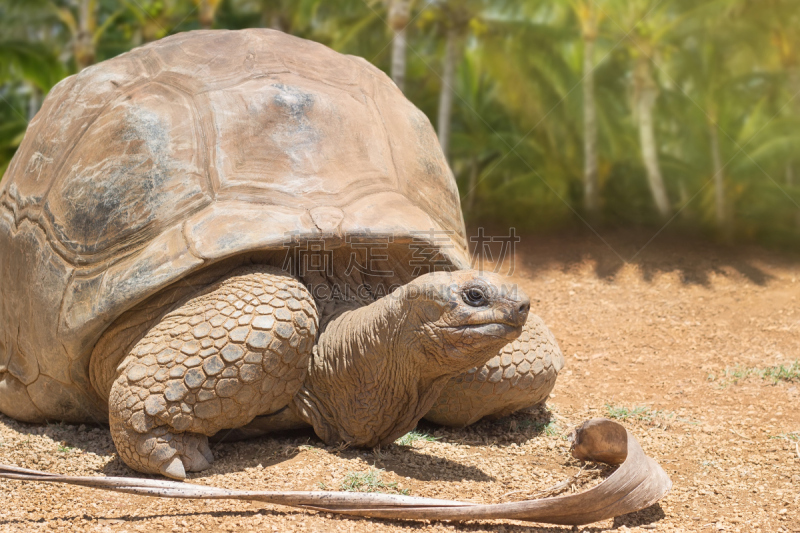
[(206, 11), (399, 16), (27, 71), (84, 33), (451, 56), (644, 27), (709, 57), (589, 17), (720, 65), (84, 27), (85, 24), (530, 50), (645, 93), (480, 137), (144, 21), (453, 18), (778, 20)]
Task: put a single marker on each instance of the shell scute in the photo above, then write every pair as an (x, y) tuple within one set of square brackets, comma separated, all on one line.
[(66, 114), (287, 139), (152, 175)]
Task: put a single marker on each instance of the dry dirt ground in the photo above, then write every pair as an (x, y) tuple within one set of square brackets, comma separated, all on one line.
[(676, 341)]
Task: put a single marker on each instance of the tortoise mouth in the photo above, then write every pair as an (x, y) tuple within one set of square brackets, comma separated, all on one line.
[(500, 330)]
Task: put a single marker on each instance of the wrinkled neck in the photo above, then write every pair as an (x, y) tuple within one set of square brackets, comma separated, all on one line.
[(366, 385)]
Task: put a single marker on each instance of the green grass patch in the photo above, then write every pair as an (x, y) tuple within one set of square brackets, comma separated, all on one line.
[(641, 412), (369, 482), (65, 449), (773, 374), (793, 436), (413, 436)]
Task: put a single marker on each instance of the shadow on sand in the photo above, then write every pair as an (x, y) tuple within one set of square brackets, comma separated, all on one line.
[(694, 259)]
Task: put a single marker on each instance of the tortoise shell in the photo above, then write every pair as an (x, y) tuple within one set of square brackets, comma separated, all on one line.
[(145, 168)]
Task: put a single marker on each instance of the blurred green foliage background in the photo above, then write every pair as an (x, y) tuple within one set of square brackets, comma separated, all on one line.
[(552, 113)]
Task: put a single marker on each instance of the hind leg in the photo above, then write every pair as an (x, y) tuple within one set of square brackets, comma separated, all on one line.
[(237, 350), (520, 376)]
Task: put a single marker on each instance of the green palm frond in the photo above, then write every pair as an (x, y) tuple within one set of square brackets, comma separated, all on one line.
[(32, 62)]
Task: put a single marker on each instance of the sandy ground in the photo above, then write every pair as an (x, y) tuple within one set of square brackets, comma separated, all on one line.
[(662, 339)]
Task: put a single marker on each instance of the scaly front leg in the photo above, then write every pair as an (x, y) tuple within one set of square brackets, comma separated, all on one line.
[(237, 350)]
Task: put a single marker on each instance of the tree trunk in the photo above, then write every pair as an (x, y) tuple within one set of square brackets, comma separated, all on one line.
[(447, 90), (794, 82), (399, 12), (790, 184), (34, 102), (590, 189), (723, 221), (646, 94), (276, 23), (137, 38), (206, 12), (472, 184), (84, 40), (272, 16)]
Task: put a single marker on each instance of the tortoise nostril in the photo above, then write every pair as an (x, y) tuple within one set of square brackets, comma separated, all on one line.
[(521, 314)]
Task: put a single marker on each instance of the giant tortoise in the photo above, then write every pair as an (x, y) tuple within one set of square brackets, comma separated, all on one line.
[(246, 230)]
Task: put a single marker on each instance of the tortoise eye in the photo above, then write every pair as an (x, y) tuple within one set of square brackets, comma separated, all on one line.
[(474, 297)]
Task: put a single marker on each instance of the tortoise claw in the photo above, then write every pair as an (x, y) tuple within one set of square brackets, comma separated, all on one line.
[(160, 451), (197, 455), (174, 469)]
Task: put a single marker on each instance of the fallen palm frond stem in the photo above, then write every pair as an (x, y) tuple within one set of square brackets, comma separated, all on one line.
[(638, 483)]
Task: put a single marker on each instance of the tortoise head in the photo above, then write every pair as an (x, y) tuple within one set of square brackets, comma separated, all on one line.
[(460, 319), (397, 354)]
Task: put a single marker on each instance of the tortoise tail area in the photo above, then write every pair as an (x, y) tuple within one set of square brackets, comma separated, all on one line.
[(38, 380)]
